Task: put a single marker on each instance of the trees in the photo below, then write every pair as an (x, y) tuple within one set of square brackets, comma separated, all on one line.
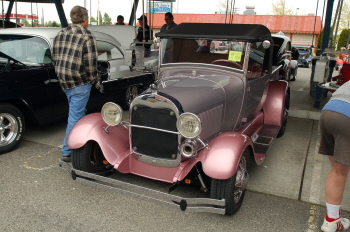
[(280, 8), (106, 19), (226, 6), (343, 38), (345, 16)]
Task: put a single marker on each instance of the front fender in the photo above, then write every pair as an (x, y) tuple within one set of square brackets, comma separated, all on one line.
[(114, 144), (224, 153), (274, 103)]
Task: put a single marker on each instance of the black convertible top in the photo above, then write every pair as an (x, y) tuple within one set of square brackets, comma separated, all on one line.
[(248, 32)]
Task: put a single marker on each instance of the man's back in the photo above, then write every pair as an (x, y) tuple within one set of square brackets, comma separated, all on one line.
[(75, 56)]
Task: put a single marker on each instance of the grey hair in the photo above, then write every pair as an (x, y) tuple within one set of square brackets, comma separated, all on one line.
[(78, 14)]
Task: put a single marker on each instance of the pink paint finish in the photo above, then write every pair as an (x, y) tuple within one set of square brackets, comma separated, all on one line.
[(224, 154), (114, 145), (273, 107)]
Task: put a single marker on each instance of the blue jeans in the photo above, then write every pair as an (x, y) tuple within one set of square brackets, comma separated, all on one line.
[(77, 100)]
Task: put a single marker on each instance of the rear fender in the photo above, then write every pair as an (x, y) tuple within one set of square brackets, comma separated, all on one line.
[(224, 153), (274, 104), (114, 144)]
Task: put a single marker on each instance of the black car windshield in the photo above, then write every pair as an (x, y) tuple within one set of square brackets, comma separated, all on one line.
[(26, 49), (304, 50), (205, 51)]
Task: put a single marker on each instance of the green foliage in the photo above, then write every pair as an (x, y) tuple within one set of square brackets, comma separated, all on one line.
[(26, 23), (92, 19), (345, 15), (106, 19), (52, 24), (343, 38), (280, 8), (320, 38)]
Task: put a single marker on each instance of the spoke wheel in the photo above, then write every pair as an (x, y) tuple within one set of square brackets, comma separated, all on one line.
[(232, 189), (130, 93), (11, 127), (90, 158)]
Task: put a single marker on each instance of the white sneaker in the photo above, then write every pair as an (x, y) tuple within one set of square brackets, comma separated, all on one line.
[(340, 224)]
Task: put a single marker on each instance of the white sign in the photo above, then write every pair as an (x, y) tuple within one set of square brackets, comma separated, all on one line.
[(160, 7)]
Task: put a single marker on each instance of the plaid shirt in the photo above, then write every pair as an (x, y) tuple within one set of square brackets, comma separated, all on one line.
[(75, 57)]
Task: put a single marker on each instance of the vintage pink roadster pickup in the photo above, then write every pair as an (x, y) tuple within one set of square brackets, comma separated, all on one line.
[(214, 109)]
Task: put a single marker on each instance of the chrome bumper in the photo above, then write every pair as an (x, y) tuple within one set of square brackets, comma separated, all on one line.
[(207, 205)]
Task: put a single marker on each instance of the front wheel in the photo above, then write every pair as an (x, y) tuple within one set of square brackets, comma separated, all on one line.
[(12, 127), (130, 93), (89, 158), (232, 189)]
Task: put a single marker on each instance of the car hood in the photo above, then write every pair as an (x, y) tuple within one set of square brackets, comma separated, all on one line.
[(202, 91)]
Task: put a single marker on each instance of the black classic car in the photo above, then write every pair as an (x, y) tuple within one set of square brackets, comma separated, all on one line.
[(285, 57), (214, 110), (305, 57), (30, 90)]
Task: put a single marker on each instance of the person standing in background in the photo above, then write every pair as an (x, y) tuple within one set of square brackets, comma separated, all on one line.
[(169, 22), (75, 55), (120, 20), (148, 35)]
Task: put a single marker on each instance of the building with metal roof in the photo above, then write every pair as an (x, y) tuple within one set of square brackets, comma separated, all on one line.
[(302, 30)]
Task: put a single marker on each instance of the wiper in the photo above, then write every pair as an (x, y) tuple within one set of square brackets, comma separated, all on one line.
[(10, 58)]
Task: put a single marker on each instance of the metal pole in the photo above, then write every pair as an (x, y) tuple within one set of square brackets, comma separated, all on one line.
[(31, 11), (338, 20), (37, 15), (327, 25), (3, 21), (16, 13)]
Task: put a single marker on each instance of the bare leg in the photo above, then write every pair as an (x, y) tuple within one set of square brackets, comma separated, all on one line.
[(335, 182)]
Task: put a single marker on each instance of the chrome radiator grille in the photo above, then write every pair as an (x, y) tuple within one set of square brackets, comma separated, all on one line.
[(150, 142)]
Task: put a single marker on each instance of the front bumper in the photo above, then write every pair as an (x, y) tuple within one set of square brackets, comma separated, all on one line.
[(207, 205)]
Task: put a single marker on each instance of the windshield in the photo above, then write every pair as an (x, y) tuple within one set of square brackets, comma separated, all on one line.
[(304, 50), (25, 48), (219, 52)]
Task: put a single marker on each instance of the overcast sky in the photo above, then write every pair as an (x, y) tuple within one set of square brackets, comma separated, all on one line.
[(123, 7)]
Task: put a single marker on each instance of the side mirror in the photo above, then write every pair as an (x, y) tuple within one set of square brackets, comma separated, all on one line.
[(266, 44)]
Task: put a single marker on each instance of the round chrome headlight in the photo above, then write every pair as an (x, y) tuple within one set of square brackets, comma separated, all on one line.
[(111, 113), (189, 125)]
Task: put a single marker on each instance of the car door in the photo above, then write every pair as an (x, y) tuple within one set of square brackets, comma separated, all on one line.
[(27, 81)]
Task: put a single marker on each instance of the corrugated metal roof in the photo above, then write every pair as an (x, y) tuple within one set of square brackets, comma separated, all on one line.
[(285, 23)]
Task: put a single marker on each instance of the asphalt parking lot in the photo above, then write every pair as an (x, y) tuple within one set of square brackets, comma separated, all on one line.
[(285, 193)]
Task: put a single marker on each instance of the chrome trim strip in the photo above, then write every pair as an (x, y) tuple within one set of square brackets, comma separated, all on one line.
[(276, 69), (150, 128), (157, 102), (174, 201)]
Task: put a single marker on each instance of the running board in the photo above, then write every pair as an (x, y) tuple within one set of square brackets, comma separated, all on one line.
[(264, 138), (207, 205)]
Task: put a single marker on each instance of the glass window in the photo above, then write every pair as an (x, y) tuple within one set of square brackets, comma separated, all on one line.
[(107, 51), (205, 51), (26, 48), (256, 61)]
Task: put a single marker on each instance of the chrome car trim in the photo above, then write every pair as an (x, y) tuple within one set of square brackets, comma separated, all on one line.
[(201, 204), (153, 100), (159, 162), (146, 127)]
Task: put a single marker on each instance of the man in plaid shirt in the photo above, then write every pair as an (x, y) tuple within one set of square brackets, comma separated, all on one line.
[(75, 58)]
